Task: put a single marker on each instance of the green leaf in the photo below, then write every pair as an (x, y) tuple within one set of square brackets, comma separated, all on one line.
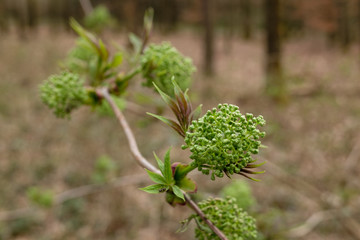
[(164, 96), (167, 168), (135, 42), (160, 163), (169, 122), (148, 19), (117, 60), (187, 185), (177, 191), (90, 38), (156, 177), (104, 52), (156, 188), (177, 89), (181, 170)]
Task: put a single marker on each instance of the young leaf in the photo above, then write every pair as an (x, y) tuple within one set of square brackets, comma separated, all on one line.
[(148, 19), (104, 52), (156, 188), (164, 96), (170, 123), (135, 41), (177, 191), (160, 163), (156, 177), (187, 185), (167, 168), (181, 170), (117, 60)]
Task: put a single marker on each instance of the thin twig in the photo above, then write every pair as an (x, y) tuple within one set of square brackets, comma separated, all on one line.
[(196, 208), (310, 224), (86, 6), (142, 161), (318, 197), (74, 193)]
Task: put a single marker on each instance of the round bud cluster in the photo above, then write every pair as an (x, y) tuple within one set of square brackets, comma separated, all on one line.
[(234, 222), (63, 93), (162, 62), (223, 141)]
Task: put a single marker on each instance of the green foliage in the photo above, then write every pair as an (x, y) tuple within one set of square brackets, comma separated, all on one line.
[(42, 198), (172, 180), (235, 223), (181, 107), (99, 19), (104, 166), (223, 140), (17, 227), (63, 93), (241, 192), (81, 58), (162, 62), (105, 109), (92, 57)]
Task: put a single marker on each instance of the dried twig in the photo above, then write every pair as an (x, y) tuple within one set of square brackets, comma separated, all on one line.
[(310, 224), (86, 6), (318, 197), (74, 193)]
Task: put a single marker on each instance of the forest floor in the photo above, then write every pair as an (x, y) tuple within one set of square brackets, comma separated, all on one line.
[(312, 156)]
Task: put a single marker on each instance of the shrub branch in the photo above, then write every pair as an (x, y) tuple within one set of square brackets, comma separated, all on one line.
[(143, 162)]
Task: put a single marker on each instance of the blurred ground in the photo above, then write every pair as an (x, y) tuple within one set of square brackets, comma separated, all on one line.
[(313, 143)]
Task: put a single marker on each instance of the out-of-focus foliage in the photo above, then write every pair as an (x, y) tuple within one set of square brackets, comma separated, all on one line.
[(104, 167), (241, 192), (235, 223), (99, 19), (42, 198), (63, 93), (105, 109), (160, 63), (81, 58)]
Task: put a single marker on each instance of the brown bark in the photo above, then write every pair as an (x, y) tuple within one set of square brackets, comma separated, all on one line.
[(246, 19), (275, 83), (32, 13), (208, 59), (344, 28)]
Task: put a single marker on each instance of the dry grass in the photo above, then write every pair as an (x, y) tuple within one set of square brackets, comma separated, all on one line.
[(313, 139)]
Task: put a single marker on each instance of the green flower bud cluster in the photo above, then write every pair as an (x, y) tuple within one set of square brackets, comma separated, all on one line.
[(99, 19), (234, 222), (160, 63), (63, 93), (223, 141)]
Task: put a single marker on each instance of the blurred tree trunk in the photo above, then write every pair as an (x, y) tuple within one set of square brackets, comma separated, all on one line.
[(275, 83), (32, 13), (344, 28), (129, 10), (3, 16), (246, 15), (208, 44)]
